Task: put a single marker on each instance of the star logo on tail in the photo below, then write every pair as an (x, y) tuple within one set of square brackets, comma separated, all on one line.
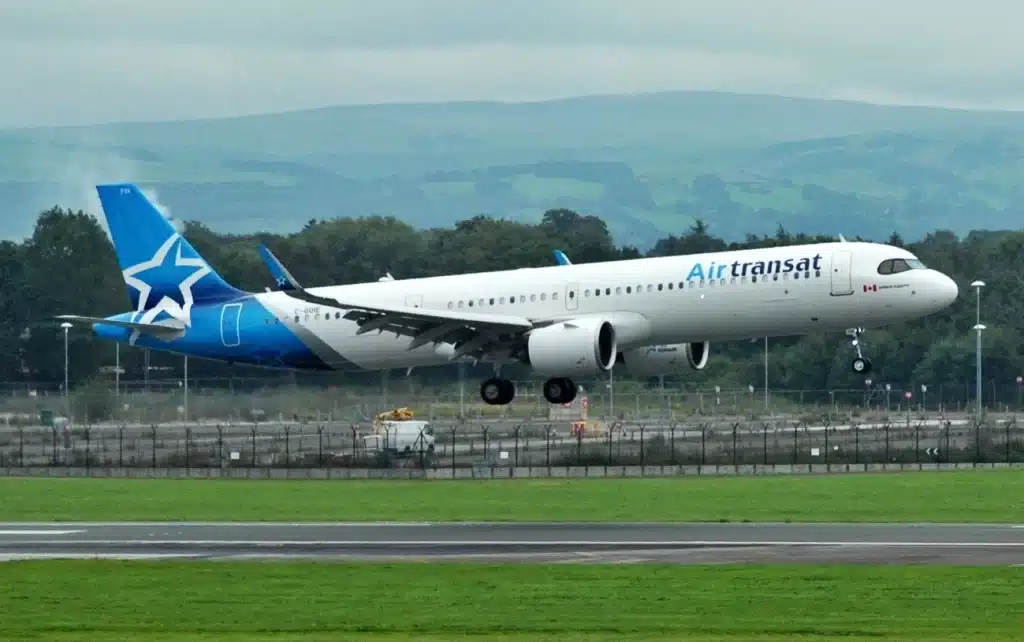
[(165, 265)]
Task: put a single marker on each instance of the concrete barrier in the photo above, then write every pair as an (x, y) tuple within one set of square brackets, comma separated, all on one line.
[(489, 472)]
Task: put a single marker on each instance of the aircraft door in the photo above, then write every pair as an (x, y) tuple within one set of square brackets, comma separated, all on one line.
[(414, 300), (572, 296), (230, 320), (842, 267)]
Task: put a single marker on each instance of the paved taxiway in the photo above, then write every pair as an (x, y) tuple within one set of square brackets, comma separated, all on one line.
[(559, 542)]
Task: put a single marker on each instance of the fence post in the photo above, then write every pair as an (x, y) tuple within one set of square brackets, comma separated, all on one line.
[(735, 444), (642, 451), (672, 444), (88, 443), (287, 446), (120, 447), (454, 428), (764, 445)]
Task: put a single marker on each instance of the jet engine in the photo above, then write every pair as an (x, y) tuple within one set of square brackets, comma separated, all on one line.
[(653, 361), (697, 354), (577, 347)]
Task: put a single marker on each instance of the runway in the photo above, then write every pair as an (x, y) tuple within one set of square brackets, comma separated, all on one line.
[(568, 542)]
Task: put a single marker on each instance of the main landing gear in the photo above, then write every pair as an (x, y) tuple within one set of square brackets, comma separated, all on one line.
[(499, 392), (861, 365)]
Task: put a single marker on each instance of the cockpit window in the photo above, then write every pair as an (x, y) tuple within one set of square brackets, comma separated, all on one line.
[(895, 266)]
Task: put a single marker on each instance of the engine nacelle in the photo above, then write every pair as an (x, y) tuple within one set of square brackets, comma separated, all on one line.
[(653, 361), (578, 347), (697, 354)]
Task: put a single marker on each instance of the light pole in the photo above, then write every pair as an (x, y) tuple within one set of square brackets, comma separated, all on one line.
[(185, 395), (766, 373), (978, 327), (67, 397)]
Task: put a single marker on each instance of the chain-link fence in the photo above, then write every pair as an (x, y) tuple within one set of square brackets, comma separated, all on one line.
[(504, 444), (246, 400)]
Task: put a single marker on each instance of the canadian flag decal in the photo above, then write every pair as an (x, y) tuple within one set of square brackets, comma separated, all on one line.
[(871, 288)]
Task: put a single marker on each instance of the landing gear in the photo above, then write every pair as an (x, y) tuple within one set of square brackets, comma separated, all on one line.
[(559, 390), (861, 365), (497, 392)]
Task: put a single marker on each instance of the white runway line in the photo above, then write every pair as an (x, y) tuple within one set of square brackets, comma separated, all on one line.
[(38, 532), (641, 544), (16, 557)]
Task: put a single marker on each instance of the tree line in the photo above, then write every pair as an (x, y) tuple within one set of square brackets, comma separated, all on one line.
[(68, 265)]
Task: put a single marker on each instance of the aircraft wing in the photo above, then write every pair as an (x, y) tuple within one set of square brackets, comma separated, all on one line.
[(164, 330), (473, 334)]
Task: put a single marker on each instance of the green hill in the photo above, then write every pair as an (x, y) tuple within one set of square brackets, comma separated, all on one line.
[(648, 164)]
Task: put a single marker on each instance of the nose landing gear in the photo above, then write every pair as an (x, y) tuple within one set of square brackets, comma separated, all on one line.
[(861, 365)]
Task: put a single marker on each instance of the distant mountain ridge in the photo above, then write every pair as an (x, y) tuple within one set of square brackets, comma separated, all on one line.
[(648, 164)]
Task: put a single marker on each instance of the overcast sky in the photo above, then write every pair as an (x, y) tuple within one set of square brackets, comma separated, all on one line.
[(84, 61)]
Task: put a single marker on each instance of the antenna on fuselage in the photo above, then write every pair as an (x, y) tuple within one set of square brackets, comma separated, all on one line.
[(842, 239)]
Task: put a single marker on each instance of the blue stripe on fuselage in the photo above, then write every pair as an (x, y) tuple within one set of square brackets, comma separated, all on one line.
[(257, 338)]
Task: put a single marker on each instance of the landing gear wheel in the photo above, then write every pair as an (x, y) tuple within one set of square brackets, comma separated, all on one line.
[(497, 392), (861, 365), (559, 390)]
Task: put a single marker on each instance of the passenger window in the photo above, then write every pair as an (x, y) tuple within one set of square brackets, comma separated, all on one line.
[(629, 289), (554, 296)]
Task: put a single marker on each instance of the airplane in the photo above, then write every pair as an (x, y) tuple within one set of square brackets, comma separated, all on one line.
[(562, 321)]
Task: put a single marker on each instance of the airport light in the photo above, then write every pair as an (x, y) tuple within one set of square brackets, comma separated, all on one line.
[(185, 398), (978, 327), (67, 397), (766, 373)]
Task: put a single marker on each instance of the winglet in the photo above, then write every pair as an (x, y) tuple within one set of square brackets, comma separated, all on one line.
[(561, 258), (282, 277)]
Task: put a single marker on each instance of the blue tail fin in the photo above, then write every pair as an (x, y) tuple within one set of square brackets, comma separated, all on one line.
[(164, 273)]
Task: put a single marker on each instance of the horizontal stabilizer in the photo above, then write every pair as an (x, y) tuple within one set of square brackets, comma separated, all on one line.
[(163, 330)]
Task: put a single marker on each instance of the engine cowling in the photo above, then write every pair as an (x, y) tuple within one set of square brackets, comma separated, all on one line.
[(576, 347), (697, 354), (652, 361)]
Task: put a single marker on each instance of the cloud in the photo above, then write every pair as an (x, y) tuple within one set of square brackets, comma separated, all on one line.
[(116, 59)]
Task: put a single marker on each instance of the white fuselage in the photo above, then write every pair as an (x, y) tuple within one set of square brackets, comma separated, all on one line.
[(720, 296)]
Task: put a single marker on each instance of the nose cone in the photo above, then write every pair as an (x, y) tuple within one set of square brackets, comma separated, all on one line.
[(947, 290)]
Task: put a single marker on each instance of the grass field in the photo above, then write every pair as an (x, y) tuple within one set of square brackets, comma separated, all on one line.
[(960, 496), (59, 601)]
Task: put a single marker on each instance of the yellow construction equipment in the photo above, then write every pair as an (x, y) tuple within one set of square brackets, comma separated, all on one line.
[(398, 414)]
